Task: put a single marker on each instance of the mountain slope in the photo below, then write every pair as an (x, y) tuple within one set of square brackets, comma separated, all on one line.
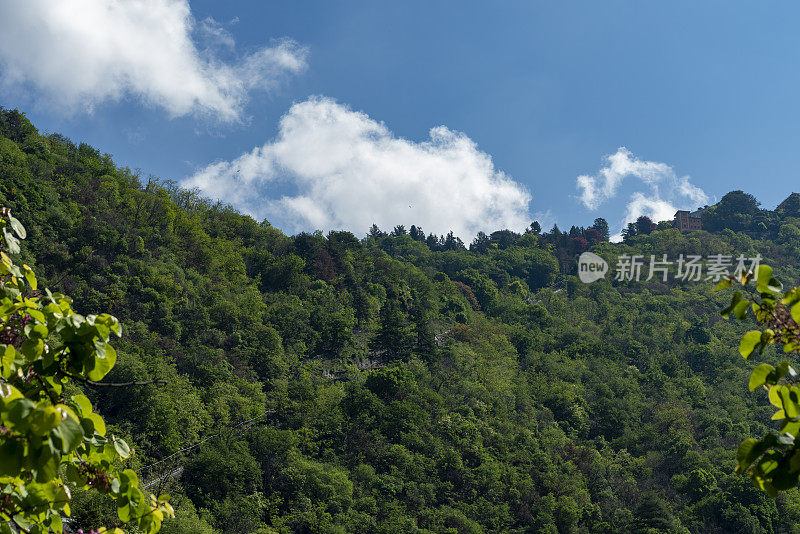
[(338, 384)]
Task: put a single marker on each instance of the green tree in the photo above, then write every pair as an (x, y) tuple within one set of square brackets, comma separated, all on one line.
[(601, 225), (653, 516), (791, 206), (453, 242), (736, 211), (630, 231), (416, 233), (644, 225), (395, 334), (481, 243), (375, 232), (399, 230)]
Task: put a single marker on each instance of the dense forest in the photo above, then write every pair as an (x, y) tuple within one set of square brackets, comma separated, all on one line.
[(398, 382)]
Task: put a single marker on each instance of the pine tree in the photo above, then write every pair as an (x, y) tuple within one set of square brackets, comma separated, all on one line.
[(452, 242), (601, 225), (652, 515), (644, 225), (395, 335), (481, 243), (375, 232), (432, 241), (630, 231)]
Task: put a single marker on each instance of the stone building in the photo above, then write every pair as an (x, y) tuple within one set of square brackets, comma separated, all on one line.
[(688, 221)]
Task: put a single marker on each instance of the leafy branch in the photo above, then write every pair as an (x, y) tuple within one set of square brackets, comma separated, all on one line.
[(45, 344), (773, 461)]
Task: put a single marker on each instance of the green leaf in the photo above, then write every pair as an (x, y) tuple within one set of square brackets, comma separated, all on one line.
[(796, 312), (740, 310), (18, 412), (766, 282), (38, 331), (129, 479), (764, 275), (17, 227), (749, 342), (32, 349), (43, 420), (12, 243), (759, 375), (104, 359), (9, 355), (55, 524), (71, 434), (783, 369), (71, 474), (723, 284), (734, 301), (12, 453), (790, 401), (743, 454), (124, 510), (151, 522), (83, 403), (121, 447), (102, 331), (97, 423), (8, 393), (790, 426), (45, 462), (791, 297), (30, 277), (774, 396)]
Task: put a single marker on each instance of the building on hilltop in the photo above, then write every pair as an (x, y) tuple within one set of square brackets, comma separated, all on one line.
[(688, 221)]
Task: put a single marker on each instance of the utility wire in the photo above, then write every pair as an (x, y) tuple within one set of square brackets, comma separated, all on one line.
[(190, 447)]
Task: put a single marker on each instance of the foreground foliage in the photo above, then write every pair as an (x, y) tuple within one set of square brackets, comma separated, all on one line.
[(49, 440), (773, 461)]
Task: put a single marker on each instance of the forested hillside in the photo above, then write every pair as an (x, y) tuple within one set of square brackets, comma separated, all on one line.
[(398, 382)]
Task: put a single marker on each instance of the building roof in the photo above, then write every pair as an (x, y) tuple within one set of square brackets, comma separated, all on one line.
[(696, 213)]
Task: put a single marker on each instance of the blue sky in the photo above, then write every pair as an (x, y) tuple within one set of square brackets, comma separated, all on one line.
[(532, 95)]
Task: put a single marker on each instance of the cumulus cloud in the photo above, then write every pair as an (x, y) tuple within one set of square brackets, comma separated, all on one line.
[(349, 171), (76, 54), (665, 191)]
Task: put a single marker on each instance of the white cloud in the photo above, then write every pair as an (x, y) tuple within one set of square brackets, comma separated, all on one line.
[(214, 34), (350, 171), (666, 192), (655, 208), (80, 53)]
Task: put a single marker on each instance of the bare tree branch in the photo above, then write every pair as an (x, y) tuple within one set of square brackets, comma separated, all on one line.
[(92, 383)]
